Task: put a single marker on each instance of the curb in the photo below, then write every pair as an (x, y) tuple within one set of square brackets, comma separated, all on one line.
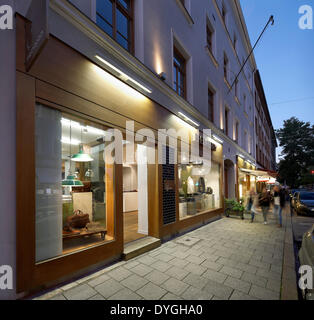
[(289, 289)]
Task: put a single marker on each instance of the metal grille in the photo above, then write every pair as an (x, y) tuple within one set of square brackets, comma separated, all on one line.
[(169, 196)]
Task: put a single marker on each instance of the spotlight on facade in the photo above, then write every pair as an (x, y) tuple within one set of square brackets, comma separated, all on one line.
[(186, 118), (217, 139), (122, 75)]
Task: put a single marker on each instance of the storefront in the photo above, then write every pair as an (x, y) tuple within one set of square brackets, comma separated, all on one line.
[(76, 208), (246, 179)]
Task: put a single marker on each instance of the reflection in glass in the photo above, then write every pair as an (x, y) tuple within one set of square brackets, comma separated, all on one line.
[(71, 212)]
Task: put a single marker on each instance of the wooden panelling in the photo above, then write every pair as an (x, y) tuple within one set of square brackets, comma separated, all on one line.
[(153, 200), (25, 173), (63, 67)]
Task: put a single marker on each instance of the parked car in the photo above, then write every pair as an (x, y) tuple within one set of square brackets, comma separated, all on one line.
[(303, 203), (306, 257)]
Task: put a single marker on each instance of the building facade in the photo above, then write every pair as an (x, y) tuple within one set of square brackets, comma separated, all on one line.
[(86, 67)]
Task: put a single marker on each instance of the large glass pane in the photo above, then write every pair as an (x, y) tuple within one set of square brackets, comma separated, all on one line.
[(124, 43), (122, 24), (125, 3), (73, 185), (104, 25), (104, 8), (199, 189)]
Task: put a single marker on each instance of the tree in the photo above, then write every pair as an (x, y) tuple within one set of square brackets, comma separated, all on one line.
[(297, 141)]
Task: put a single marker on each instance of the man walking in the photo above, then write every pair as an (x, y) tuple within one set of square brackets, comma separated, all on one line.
[(264, 202), (279, 203)]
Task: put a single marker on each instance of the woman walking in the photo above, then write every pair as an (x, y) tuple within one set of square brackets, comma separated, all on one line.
[(264, 202)]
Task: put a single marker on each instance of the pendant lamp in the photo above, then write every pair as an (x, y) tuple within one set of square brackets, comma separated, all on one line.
[(81, 156), (71, 180)]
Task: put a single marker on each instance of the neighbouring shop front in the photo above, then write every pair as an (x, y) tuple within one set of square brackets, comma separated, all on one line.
[(249, 177), (76, 208), (246, 179)]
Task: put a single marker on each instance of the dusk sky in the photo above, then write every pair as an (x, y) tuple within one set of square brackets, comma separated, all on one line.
[(284, 56)]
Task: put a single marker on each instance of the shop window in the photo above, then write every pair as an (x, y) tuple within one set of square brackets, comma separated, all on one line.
[(199, 189), (115, 18), (179, 73), (74, 185)]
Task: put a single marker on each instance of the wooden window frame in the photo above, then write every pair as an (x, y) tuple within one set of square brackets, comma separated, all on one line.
[(178, 56), (129, 14)]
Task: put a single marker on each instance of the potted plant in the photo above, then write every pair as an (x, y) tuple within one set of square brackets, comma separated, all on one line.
[(234, 207)]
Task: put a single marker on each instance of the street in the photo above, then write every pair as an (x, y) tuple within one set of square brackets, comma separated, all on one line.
[(301, 224)]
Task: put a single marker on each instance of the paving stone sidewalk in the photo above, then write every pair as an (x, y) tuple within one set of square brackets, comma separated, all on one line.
[(229, 259)]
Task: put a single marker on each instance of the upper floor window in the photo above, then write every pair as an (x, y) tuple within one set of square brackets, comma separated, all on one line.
[(226, 122), (236, 88), (115, 18), (179, 74), (235, 42), (245, 141), (211, 105), (226, 67), (237, 132), (244, 103), (224, 14), (210, 37)]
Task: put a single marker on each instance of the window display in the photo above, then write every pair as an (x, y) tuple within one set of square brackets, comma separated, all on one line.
[(199, 188), (71, 184)]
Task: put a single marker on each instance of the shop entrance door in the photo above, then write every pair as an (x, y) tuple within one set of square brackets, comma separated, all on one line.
[(135, 198)]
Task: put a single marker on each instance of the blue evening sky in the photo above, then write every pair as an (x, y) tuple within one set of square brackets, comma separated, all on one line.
[(284, 56)]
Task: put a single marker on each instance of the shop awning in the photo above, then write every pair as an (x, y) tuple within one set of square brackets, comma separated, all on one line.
[(260, 173)]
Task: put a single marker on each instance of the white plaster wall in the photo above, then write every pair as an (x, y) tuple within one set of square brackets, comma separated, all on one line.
[(163, 20)]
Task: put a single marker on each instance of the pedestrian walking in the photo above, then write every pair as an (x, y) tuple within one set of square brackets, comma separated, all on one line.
[(250, 203), (264, 202), (276, 209), (283, 198)]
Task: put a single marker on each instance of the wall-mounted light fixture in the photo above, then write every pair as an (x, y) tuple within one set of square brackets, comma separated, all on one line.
[(162, 76), (186, 118), (217, 139), (122, 75)]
